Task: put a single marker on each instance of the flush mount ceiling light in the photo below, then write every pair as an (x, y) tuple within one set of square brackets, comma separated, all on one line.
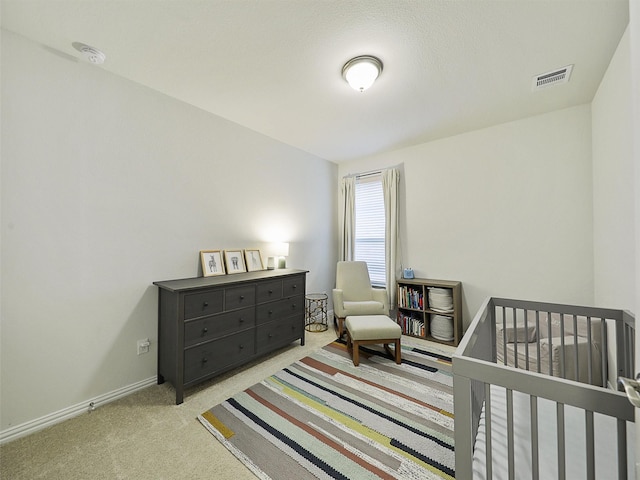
[(90, 53), (360, 72)]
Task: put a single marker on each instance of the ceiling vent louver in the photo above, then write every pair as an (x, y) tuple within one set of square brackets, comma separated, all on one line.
[(554, 77)]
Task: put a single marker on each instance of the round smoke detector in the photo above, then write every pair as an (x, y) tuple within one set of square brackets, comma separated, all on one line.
[(90, 53)]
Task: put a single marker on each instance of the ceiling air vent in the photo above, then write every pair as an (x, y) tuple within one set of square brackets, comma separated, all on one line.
[(554, 77)]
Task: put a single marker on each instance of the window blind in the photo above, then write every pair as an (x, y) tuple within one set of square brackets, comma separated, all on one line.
[(370, 227)]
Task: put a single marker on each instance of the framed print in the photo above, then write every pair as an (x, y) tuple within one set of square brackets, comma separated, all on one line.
[(253, 259), (234, 261), (212, 263)]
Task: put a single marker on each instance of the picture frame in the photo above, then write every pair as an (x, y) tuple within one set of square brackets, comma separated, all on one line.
[(212, 263), (234, 261), (253, 259)]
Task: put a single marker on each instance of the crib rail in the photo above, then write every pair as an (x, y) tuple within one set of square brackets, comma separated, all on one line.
[(476, 369)]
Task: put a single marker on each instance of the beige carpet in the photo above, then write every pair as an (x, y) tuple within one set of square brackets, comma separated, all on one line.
[(145, 435)]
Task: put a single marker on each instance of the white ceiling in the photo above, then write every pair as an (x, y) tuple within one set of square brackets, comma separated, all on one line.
[(274, 66)]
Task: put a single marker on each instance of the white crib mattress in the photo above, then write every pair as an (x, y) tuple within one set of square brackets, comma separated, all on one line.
[(575, 444)]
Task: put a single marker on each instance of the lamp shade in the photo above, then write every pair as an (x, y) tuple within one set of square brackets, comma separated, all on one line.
[(281, 249), (361, 72)]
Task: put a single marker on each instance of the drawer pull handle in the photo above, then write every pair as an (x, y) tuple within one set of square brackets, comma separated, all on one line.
[(204, 360), (271, 335), (293, 306), (241, 320), (205, 304), (295, 286), (270, 312), (270, 292), (241, 297), (241, 346), (205, 330)]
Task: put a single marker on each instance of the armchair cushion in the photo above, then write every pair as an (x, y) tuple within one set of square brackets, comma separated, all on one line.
[(368, 307), (353, 279), (372, 327)]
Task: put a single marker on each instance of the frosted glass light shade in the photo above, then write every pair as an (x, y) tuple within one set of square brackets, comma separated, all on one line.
[(361, 72)]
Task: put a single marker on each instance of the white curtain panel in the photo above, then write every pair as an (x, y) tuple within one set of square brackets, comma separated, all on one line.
[(347, 218), (390, 182)]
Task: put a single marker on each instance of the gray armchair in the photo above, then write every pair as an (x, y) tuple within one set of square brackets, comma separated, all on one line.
[(354, 294)]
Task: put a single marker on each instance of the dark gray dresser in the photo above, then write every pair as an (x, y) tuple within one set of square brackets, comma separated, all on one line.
[(208, 325)]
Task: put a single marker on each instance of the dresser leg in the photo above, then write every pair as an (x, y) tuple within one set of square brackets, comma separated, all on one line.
[(160, 379)]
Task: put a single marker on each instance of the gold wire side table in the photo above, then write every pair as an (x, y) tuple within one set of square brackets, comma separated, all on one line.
[(316, 312)]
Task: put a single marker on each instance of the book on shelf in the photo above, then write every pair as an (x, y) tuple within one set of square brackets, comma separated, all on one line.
[(411, 325), (410, 297)]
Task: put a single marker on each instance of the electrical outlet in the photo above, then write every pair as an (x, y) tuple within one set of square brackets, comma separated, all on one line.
[(143, 346)]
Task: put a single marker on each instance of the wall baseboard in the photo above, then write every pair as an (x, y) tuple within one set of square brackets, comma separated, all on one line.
[(33, 426)]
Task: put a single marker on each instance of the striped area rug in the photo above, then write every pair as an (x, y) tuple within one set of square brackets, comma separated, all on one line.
[(321, 417)]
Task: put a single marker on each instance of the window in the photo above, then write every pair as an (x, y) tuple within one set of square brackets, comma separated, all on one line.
[(370, 227)]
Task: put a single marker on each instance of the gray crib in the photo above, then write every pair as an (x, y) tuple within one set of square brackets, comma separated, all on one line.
[(535, 392)]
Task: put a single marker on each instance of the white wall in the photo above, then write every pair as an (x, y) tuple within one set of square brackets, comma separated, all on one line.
[(613, 185), (506, 210), (108, 186)]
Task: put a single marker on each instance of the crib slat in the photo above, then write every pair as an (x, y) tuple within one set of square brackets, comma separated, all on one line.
[(632, 348), (510, 439), (589, 354), (504, 336), (526, 339), (591, 451), (487, 431), (575, 348), (626, 331), (535, 462), (538, 341), (515, 343), (562, 472), (563, 352), (622, 450), (604, 345), (550, 335)]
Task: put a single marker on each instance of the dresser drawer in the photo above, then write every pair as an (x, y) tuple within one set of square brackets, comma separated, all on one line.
[(210, 357), (278, 333), (293, 286), (201, 304), (268, 312), (239, 297), (267, 291), (208, 328)]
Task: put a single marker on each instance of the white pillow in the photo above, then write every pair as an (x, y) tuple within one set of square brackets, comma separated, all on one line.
[(518, 334)]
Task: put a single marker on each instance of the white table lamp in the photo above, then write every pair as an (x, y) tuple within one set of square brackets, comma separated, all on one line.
[(280, 251)]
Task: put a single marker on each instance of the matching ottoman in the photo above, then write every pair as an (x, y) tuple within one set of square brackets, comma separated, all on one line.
[(371, 329)]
